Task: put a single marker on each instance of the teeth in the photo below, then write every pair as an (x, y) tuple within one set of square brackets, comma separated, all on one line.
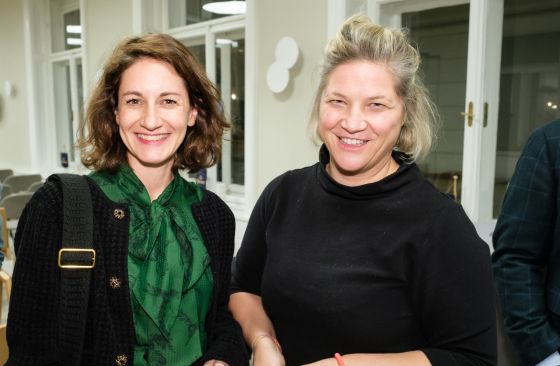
[(152, 137), (354, 142)]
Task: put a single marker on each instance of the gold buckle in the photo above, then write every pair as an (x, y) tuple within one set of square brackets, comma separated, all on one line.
[(76, 266)]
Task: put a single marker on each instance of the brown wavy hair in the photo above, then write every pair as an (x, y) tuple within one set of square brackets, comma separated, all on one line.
[(99, 140)]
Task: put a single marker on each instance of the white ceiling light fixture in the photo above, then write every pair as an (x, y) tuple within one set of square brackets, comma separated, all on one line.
[(226, 7), (74, 41), (75, 29)]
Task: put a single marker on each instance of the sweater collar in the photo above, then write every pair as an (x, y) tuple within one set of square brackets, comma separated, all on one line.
[(405, 174)]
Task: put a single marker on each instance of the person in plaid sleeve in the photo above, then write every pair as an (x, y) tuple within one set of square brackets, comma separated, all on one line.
[(526, 260)]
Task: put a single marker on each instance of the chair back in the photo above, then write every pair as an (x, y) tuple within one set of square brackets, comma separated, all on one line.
[(22, 182), (4, 231), (4, 173), (14, 204), (33, 187), (6, 190)]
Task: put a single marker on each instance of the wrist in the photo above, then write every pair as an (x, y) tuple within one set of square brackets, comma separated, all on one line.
[(265, 337)]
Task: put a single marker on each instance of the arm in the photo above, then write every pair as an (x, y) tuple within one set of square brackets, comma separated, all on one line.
[(523, 241), (32, 330), (453, 292), (257, 328), (245, 301), (225, 340), (416, 358)]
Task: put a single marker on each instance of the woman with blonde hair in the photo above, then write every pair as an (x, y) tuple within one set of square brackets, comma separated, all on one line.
[(358, 260)]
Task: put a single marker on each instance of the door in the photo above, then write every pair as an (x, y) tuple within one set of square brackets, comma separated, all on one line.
[(460, 43)]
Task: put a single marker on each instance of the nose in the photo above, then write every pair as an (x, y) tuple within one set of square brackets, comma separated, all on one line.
[(151, 119), (354, 120)]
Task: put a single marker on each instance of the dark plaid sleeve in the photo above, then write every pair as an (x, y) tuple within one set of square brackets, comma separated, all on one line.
[(523, 240)]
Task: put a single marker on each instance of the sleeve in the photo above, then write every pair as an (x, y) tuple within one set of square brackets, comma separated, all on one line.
[(454, 293), (251, 257), (32, 329), (522, 247), (226, 342)]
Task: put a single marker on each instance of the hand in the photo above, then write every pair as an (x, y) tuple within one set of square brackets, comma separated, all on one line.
[(215, 363), (266, 353)]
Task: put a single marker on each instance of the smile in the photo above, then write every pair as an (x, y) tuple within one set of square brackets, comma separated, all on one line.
[(353, 142), (157, 137)]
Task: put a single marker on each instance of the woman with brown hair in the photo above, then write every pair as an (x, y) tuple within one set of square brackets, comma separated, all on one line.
[(163, 246)]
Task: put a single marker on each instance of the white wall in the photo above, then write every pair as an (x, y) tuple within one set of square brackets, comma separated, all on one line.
[(283, 142), (107, 22), (14, 129)]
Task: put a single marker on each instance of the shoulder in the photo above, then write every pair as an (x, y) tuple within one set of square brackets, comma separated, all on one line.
[(290, 179)]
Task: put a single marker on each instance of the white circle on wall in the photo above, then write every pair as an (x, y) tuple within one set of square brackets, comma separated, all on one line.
[(287, 52), (277, 77)]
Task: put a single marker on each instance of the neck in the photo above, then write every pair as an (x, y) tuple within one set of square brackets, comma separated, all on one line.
[(155, 179), (387, 168)]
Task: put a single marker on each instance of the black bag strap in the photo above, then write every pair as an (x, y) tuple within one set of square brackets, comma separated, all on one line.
[(76, 259)]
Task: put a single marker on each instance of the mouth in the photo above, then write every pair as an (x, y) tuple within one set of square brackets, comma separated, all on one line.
[(157, 137), (352, 142)]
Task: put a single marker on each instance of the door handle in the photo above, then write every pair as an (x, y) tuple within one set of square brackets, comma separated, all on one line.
[(469, 114)]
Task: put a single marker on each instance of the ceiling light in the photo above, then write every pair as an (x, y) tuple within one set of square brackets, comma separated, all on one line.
[(226, 7), (75, 29), (225, 41), (74, 41)]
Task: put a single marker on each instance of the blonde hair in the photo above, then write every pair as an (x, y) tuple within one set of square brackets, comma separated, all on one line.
[(360, 39)]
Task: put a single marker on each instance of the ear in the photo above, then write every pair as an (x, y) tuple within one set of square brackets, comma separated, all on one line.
[(191, 118), (116, 116)]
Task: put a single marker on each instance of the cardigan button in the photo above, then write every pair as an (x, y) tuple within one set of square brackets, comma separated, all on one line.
[(121, 360), (118, 213), (115, 283)]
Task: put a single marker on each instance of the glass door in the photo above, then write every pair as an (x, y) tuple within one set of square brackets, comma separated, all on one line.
[(460, 43), (529, 81)]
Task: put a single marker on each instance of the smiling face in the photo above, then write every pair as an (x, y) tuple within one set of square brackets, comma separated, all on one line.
[(360, 118), (153, 113)]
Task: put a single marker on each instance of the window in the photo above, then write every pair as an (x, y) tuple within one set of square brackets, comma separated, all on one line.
[(218, 41), (66, 78)]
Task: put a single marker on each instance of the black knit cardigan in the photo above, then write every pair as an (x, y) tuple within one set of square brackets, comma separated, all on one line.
[(33, 324)]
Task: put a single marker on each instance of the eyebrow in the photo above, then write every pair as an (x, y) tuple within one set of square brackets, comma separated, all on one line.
[(374, 97), (164, 94)]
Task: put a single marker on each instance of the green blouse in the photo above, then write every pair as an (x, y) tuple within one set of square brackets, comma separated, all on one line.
[(168, 268)]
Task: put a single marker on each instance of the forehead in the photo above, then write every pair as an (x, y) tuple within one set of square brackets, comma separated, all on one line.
[(148, 73), (361, 75)]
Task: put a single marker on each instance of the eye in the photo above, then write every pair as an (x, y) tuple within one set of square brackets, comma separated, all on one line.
[(377, 105), (169, 101), (337, 102), (132, 101)]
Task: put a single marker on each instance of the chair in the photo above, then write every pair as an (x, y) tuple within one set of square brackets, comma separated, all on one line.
[(4, 232), (6, 190), (34, 186), (14, 204), (3, 345), (21, 182), (6, 285), (4, 173)]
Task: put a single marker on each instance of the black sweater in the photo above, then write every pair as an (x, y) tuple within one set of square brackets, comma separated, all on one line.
[(392, 266), (33, 322)]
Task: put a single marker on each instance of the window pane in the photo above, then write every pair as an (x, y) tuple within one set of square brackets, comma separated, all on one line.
[(529, 81), (442, 38), (230, 78), (66, 32), (186, 12), (63, 110)]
